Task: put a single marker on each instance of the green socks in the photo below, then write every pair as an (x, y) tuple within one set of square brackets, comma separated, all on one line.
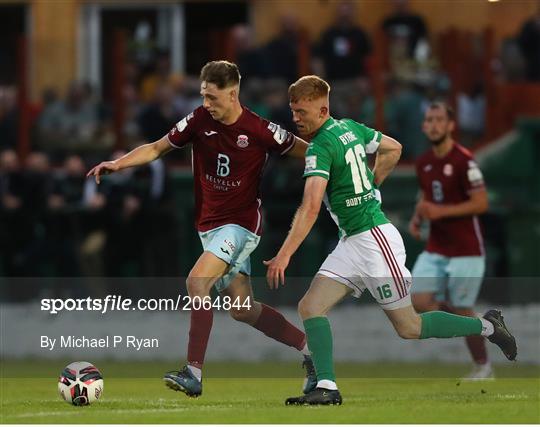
[(435, 324), (320, 344), (439, 324)]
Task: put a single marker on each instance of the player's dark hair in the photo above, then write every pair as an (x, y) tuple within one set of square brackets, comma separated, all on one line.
[(308, 87), (221, 73), (443, 106)]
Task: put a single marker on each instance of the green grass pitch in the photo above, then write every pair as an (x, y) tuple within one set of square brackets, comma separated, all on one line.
[(235, 393)]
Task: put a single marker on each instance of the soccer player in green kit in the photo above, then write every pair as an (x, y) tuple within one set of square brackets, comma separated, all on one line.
[(370, 254)]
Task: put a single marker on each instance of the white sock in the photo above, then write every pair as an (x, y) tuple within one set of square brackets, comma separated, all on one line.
[(487, 327), (305, 350), (327, 384), (196, 371)]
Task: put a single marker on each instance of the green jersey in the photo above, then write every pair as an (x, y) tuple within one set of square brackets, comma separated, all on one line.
[(337, 152)]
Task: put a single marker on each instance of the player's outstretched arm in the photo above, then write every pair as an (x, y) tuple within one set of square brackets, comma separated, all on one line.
[(388, 155), (303, 221), (299, 148), (139, 156)]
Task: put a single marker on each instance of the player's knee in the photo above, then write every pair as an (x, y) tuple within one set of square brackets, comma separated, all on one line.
[(409, 330), (408, 333), (241, 314), (195, 286), (307, 309)]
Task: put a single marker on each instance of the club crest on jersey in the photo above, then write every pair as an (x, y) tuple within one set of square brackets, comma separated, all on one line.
[(448, 169), (242, 141)]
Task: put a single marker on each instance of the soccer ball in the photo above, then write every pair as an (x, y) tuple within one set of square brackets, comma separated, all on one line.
[(80, 383)]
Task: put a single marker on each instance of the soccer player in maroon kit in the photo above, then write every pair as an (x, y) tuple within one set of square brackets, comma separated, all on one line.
[(230, 145), (448, 274)]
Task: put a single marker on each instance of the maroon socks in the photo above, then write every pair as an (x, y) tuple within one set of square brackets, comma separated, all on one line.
[(199, 333), (274, 325)]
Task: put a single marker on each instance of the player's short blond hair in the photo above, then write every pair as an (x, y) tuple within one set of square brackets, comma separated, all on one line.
[(308, 87), (222, 73)]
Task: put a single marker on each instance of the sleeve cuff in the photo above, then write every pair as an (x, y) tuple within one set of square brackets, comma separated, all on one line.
[(320, 173), (171, 143), (292, 144)]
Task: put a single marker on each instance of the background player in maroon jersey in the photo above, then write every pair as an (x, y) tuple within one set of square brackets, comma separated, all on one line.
[(230, 145), (448, 274)]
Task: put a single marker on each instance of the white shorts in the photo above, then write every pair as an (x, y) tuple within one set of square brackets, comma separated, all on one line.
[(373, 260)]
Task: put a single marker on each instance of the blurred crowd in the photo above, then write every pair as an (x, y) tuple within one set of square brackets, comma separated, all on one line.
[(57, 223), (68, 226), (154, 97), (81, 120)]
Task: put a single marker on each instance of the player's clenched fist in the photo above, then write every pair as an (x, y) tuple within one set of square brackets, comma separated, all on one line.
[(104, 168)]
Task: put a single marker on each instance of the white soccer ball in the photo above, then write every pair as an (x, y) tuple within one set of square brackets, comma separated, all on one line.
[(80, 383)]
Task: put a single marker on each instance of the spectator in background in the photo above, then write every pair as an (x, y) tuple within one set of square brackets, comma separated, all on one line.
[(123, 218), (49, 97), (342, 49), (11, 181), (405, 29), (8, 117), (471, 114), (513, 67), (253, 97), (37, 185), (275, 99), (133, 108), (22, 203), (74, 123), (37, 176), (249, 58), (529, 44), (156, 118), (160, 75), (354, 100), (154, 256), (13, 232), (403, 115), (142, 45), (281, 52), (132, 73), (73, 205), (70, 188)]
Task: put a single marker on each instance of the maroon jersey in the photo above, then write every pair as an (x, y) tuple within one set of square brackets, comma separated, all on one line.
[(450, 180), (228, 161)]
